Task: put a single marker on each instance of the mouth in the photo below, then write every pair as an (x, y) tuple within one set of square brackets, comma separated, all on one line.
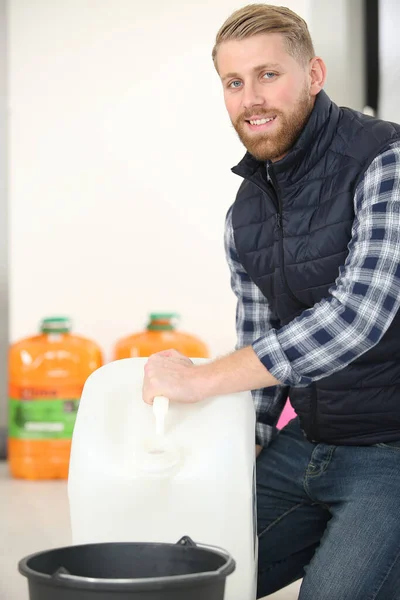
[(260, 123)]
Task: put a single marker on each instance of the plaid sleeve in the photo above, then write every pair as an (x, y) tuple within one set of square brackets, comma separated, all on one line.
[(365, 297), (253, 319)]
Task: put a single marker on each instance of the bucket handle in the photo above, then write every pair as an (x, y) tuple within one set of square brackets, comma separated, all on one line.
[(186, 541), (226, 569)]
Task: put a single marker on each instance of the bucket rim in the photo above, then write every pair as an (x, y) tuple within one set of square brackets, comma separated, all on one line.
[(142, 583)]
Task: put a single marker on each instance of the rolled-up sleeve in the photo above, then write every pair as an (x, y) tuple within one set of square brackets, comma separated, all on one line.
[(364, 298)]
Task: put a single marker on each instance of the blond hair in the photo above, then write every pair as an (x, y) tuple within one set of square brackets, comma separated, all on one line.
[(255, 19)]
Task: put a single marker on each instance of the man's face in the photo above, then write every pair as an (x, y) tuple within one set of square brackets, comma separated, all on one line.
[(267, 93)]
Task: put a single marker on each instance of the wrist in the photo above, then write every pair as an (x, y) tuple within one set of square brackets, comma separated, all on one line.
[(205, 381), (238, 372)]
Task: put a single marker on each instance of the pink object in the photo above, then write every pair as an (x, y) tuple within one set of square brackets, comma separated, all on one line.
[(287, 415)]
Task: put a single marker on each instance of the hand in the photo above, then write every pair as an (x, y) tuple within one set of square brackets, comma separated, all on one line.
[(258, 450), (173, 375)]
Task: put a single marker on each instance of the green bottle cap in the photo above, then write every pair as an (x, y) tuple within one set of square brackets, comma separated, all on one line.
[(163, 321), (56, 325)]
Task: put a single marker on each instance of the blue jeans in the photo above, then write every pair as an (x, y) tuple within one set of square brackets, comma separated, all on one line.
[(330, 514)]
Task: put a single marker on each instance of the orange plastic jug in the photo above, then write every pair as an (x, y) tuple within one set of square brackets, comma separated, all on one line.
[(161, 334), (47, 373)]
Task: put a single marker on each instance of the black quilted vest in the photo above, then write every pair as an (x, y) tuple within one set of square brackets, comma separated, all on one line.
[(291, 234)]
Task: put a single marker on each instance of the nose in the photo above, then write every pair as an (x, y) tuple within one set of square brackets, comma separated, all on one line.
[(252, 95)]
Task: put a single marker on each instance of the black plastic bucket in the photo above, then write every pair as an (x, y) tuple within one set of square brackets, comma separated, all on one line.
[(124, 571)]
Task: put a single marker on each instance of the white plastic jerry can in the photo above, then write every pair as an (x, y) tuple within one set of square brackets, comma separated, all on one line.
[(190, 471)]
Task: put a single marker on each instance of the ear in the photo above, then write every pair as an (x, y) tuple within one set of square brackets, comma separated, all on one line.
[(317, 73)]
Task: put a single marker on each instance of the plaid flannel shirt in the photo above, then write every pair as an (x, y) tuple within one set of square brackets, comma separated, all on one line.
[(360, 306)]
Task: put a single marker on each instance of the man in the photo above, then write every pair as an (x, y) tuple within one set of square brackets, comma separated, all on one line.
[(313, 244)]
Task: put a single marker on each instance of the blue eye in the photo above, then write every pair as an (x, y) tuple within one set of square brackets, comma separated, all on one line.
[(269, 75), (231, 85)]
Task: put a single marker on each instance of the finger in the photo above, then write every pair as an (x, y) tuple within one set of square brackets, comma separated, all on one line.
[(175, 355), (149, 390), (147, 396), (171, 353), (166, 353)]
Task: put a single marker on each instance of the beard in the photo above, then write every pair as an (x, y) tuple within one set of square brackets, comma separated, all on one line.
[(288, 127)]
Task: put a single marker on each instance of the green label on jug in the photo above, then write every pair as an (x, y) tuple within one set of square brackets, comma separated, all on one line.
[(42, 419)]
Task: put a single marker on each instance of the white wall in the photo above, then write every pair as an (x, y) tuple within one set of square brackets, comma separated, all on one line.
[(3, 224), (120, 156), (389, 50), (337, 29)]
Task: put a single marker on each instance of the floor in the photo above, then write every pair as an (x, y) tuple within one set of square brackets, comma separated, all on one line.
[(33, 517), (289, 593)]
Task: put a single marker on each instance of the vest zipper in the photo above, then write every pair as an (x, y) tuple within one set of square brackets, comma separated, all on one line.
[(314, 433), (275, 187)]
